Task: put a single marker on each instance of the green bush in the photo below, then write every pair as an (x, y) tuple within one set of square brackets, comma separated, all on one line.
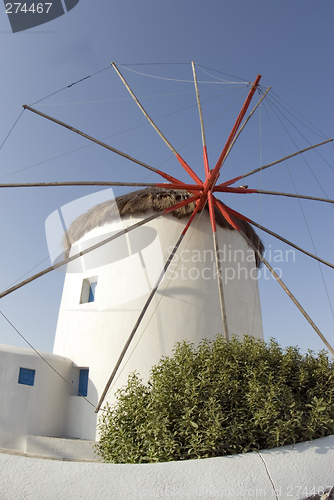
[(220, 399)]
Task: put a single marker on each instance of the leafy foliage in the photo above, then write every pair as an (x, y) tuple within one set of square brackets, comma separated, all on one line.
[(220, 399)]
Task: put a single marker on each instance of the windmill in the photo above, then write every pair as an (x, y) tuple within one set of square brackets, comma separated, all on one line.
[(202, 193)]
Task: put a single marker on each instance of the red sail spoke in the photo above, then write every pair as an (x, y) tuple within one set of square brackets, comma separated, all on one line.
[(222, 208), (236, 126), (234, 213), (214, 174)]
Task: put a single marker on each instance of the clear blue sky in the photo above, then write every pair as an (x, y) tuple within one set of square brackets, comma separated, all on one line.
[(289, 43)]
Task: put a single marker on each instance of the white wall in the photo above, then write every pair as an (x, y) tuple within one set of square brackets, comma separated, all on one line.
[(40, 409), (186, 305), (287, 473)]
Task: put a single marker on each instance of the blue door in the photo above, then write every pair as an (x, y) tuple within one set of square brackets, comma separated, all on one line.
[(83, 382)]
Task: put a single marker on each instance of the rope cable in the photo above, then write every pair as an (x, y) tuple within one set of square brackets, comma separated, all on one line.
[(221, 72), (308, 165), (42, 357), (298, 120), (139, 97), (272, 104), (220, 79), (304, 117), (199, 133), (155, 64), (210, 123), (17, 119), (71, 85), (25, 274), (174, 79)]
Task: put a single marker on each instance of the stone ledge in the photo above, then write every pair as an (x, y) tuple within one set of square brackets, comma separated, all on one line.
[(61, 448), (286, 473)]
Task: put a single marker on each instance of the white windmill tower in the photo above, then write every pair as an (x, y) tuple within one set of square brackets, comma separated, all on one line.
[(106, 290)]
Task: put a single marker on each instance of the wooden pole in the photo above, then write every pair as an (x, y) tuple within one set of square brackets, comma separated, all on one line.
[(245, 122), (104, 145), (166, 141), (135, 328), (315, 257), (236, 125), (94, 247), (242, 190), (76, 256), (232, 181), (142, 314), (289, 293), (188, 187), (242, 217), (218, 266), (76, 183), (304, 197), (205, 152)]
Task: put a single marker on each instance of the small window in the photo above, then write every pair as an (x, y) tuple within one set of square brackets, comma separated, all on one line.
[(88, 291), (26, 376), (92, 288), (83, 382)]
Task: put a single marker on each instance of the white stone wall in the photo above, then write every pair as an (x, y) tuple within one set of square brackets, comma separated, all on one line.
[(40, 409), (186, 305), (287, 473)]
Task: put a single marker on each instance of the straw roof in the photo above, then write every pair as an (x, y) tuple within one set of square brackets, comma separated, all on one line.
[(140, 202)]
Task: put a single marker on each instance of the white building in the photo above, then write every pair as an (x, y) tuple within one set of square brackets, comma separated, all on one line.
[(104, 293)]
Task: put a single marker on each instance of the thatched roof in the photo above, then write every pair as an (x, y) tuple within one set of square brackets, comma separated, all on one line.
[(156, 199)]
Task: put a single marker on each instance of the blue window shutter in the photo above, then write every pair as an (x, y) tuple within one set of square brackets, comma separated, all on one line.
[(92, 289), (26, 376), (83, 382)]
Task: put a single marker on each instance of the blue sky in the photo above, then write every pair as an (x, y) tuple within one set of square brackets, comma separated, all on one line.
[(288, 43)]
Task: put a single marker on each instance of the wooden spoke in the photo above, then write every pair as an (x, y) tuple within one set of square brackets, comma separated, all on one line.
[(142, 314), (293, 245), (104, 145), (205, 152), (166, 141), (304, 197), (289, 293), (76, 256), (246, 121), (225, 211), (75, 183), (246, 219), (232, 181), (218, 266), (242, 190), (242, 113), (94, 247), (188, 187)]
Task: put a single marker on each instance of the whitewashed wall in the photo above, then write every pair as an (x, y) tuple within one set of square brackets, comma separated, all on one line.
[(286, 473), (186, 305), (40, 409)]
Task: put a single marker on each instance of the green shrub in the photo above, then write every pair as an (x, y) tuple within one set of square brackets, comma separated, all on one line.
[(220, 399)]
